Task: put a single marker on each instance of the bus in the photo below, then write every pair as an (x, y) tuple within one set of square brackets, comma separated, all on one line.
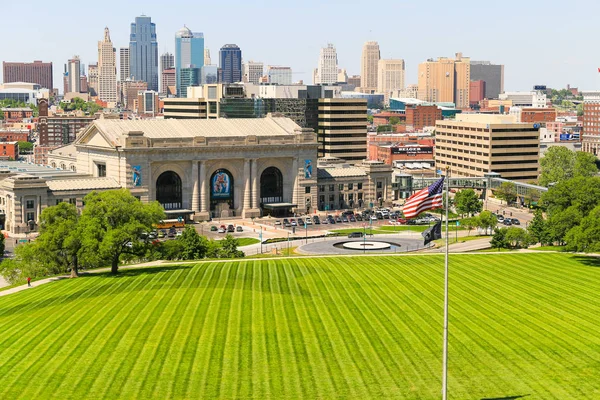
[(170, 223)]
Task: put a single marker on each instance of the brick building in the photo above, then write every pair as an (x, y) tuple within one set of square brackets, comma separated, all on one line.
[(419, 117), (383, 118), (476, 92), (14, 136), (9, 150), (538, 115), (408, 152), (17, 114), (36, 72), (590, 142)]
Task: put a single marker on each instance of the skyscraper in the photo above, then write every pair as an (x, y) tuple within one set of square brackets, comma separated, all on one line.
[(124, 61), (107, 69), (143, 52), (93, 78), (327, 71), (390, 77), (491, 74), (279, 75), (207, 60), (72, 74), (446, 80), (167, 63), (36, 72), (230, 62), (189, 54), (253, 71), (368, 67)]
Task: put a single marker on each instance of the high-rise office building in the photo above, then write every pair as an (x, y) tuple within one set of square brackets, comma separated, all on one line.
[(368, 67), (124, 72), (107, 69), (253, 71), (143, 52), (167, 63), (209, 74), (72, 74), (36, 72), (189, 54), (491, 74), (390, 77), (342, 128), (93, 78), (279, 75), (230, 62), (446, 80), (167, 81), (207, 60), (327, 70)]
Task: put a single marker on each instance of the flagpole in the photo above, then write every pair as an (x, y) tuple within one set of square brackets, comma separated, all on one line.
[(445, 354)]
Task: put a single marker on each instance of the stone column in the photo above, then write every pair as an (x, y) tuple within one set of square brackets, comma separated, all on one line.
[(195, 188), (255, 182), (247, 189), (295, 194), (203, 192)]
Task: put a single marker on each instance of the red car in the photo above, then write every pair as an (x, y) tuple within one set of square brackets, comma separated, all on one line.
[(402, 220)]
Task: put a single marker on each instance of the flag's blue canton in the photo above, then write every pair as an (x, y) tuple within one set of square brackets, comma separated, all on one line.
[(437, 187)]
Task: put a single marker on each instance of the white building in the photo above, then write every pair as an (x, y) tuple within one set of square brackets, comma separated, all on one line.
[(327, 71), (124, 64), (535, 99), (368, 67), (390, 77), (107, 70), (252, 71), (279, 75)]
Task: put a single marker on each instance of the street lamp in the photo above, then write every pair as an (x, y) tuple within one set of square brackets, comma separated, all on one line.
[(260, 237)]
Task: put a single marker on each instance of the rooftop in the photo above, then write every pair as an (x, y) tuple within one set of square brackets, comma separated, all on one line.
[(339, 172), (88, 183)]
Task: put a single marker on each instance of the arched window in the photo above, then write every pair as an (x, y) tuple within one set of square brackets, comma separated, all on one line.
[(53, 164), (271, 186), (169, 191)]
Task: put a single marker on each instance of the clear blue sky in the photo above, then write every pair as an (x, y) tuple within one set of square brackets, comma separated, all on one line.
[(548, 42)]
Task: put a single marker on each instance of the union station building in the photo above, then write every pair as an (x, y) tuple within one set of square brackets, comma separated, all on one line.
[(196, 169)]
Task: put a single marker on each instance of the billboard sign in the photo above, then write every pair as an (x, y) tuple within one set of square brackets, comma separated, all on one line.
[(308, 169), (220, 185), (412, 150)]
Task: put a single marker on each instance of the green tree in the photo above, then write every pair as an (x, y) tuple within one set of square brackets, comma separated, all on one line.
[(394, 120), (229, 247), (538, 228), (507, 192), (384, 128), (585, 165), (194, 246), (469, 223), (581, 192), (370, 119), (25, 147), (111, 224), (586, 236), (518, 238), (559, 223), (498, 240), (467, 202), (486, 221), (560, 164), (580, 109)]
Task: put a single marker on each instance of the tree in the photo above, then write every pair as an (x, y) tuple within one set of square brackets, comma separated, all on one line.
[(507, 192), (580, 109), (25, 147), (370, 119), (560, 164), (499, 239), (467, 202), (111, 224), (586, 236), (581, 192), (394, 120), (469, 223), (538, 228), (385, 128), (193, 245), (486, 221), (518, 238), (78, 103), (562, 222), (229, 248)]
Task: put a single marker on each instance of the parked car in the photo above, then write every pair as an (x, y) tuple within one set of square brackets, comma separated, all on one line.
[(286, 223), (222, 229), (172, 232), (401, 220), (507, 222), (213, 228), (153, 235), (324, 221), (278, 222), (293, 222), (351, 218), (373, 218), (345, 218), (500, 218), (316, 220), (358, 217), (515, 221), (355, 235), (162, 233), (331, 220), (338, 220), (239, 228), (179, 233), (230, 228), (308, 221)]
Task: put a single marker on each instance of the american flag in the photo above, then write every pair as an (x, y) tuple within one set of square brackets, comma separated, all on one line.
[(425, 199)]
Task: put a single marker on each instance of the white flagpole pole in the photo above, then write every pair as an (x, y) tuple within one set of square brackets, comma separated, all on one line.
[(445, 355)]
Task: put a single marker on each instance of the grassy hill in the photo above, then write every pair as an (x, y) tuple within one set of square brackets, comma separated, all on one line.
[(520, 324)]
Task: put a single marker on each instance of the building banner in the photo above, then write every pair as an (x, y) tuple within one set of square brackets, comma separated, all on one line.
[(307, 169)]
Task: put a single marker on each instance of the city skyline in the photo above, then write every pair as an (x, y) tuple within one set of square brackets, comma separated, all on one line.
[(442, 38)]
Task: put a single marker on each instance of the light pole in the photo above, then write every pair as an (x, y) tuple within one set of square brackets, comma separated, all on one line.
[(288, 246), (305, 232), (260, 237)]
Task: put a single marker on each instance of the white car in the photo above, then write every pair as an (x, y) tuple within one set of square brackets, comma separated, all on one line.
[(308, 221), (221, 230), (373, 218), (179, 233)]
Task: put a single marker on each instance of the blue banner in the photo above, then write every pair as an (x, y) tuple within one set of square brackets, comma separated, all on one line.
[(221, 185), (307, 169), (137, 175)]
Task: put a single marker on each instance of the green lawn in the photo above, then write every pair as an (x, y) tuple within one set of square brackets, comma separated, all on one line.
[(245, 241), (314, 328)]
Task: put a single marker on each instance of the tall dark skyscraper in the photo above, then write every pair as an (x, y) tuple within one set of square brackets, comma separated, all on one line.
[(230, 62), (491, 74), (143, 52)]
